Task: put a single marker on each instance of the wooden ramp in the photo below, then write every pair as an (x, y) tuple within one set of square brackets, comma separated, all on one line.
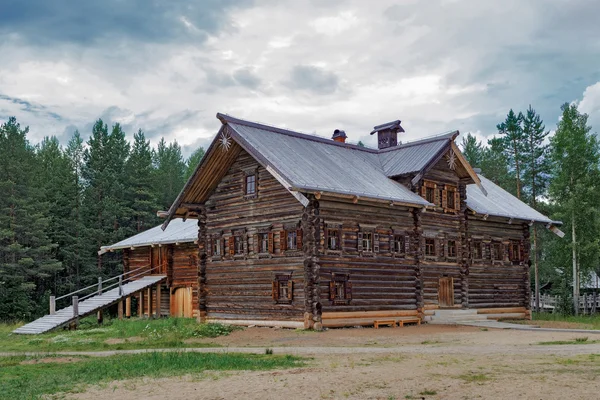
[(88, 306)]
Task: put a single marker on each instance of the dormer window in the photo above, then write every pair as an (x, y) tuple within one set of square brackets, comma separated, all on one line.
[(430, 194)]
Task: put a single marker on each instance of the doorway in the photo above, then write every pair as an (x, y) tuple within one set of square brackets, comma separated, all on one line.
[(446, 292), (181, 302)]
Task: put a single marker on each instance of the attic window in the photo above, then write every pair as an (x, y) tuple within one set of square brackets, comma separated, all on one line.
[(430, 194)]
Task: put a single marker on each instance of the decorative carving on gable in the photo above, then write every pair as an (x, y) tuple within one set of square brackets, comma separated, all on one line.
[(451, 160), (225, 141)]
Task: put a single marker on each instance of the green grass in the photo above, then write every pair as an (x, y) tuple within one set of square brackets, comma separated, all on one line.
[(474, 377), (587, 321), (579, 340), (27, 381), (116, 335)]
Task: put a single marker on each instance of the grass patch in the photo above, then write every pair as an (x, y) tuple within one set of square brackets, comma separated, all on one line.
[(115, 334), (474, 377), (428, 393), (582, 321), (19, 381), (579, 340)]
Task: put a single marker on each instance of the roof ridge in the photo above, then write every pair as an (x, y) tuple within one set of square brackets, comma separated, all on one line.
[(224, 118)]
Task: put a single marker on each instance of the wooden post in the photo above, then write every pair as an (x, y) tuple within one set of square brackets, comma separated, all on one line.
[(52, 305), (99, 285), (75, 300), (100, 317), (158, 300), (149, 301), (202, 255), (121, 285), (120, 309), (128, 307), (141, 305), (311, 241)]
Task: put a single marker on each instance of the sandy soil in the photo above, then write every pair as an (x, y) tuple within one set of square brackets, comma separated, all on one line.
[(427, 362)]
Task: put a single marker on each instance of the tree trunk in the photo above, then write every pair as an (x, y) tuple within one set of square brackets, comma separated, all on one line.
[(575, 272)]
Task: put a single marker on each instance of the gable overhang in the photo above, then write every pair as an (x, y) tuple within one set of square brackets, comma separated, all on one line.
[(471, 174), (552, 226), (212, 168)]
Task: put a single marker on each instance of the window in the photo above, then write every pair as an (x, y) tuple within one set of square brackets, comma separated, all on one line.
[(452, 248), (250, 186), (515, 251), (430, 194), (263, 242), (340, 289), (332, 239), (430, 247), (399, 244), (292, 243), (216, 243), (450, 199), (477, 250), (497, 253), (283, 289), (238, 245), (367, 241)]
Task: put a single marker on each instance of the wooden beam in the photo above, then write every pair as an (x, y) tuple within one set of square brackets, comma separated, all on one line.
[(128, 307), (158, 287), (120, 309), (149, 301), (467, 167), (141, 304)]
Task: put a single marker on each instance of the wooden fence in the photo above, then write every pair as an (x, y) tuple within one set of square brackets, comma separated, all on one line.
[(588, 304)]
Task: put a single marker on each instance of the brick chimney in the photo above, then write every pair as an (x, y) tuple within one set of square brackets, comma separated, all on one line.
[(339, 136), (387, 134)]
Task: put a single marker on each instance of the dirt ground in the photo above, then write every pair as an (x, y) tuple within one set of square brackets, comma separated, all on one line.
[(426, 362)]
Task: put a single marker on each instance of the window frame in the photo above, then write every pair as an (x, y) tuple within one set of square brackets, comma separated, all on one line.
[(430, 242), (477, 244), (497, 247), (453, 247), (340, 280), (396, 248), (282, 288), (251, 173)]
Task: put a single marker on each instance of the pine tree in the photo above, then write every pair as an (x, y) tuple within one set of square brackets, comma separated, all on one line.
[(494, 164), (574, 187), (193, 161), (472, 150), (536, 170), (26, 253), (140, 173), (513, 138), (170, 172), (77, 256)]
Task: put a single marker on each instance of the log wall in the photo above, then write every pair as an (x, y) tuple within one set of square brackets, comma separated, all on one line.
[(381, 279), (240, 286)]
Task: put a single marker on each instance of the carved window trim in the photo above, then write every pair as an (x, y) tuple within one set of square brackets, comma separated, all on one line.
[(430, 248), (215, 246), (477, 255), (431, 192), (515, 252), (340, 289), (333, 233), (290, 239), (452, 244), (252, 174), (282, 288), (497, 250)]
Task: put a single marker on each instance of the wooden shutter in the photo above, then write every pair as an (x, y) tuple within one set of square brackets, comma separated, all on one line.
[(439, 244), (436, 196), (283, 241), (245, 243), (360, 241), (271, 243), (332, 289), (299, 239), (290, 284), (326, 235), (348, 290), (340, 245), (444, 199), (231, 245), (424, 191), (275, 289), (511, 254), (209, 247), (256, 246), (406, 244), (457, 200), (375, 242), (222, 246)]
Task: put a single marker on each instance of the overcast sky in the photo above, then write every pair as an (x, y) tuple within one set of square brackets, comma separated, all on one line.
[(168, 67)]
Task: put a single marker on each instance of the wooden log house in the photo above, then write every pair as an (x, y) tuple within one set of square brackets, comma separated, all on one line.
[(172, 252), (300, 231)]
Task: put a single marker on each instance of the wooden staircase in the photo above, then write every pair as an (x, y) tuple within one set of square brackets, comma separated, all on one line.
[(89, 304)]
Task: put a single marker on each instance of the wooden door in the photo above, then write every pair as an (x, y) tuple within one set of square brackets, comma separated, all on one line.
[(159, 260), (446, 292), (181, 302)]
